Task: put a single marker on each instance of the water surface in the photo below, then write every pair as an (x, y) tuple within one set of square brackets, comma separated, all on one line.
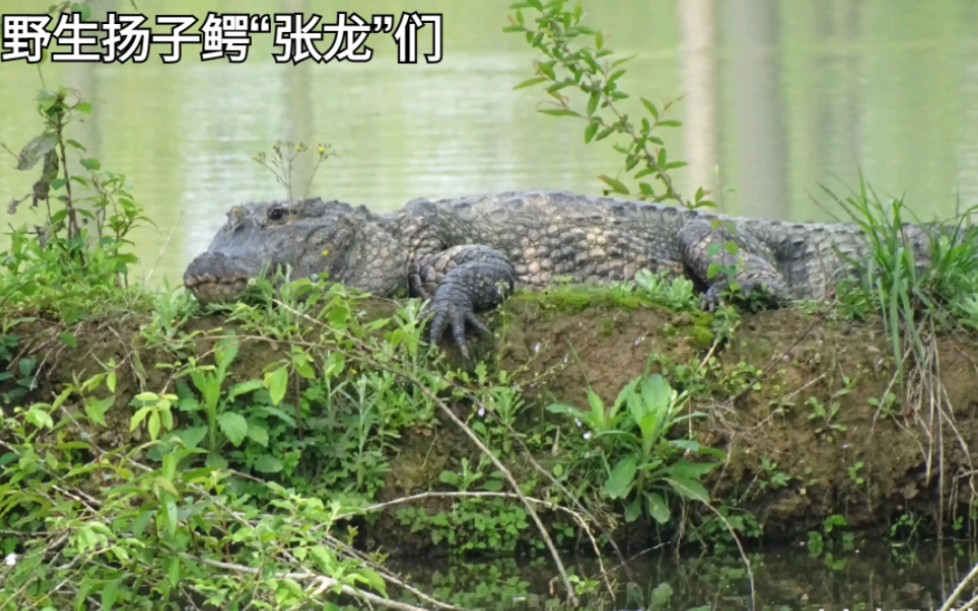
[(778, 99), (881, 576)]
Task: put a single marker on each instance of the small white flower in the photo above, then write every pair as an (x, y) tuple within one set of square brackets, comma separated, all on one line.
[(577, 421), (536, 347), (10, 560), (565, 359), (482, 411), (587, 435), (845, 446)]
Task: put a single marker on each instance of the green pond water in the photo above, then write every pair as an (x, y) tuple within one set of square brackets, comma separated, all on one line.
[(778, 99), (869, 578)]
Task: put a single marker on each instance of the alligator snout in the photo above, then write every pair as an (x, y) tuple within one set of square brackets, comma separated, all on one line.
[(214, 276)]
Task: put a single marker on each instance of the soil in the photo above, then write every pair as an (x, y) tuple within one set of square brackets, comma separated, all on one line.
[(787, 465), (803, 360)]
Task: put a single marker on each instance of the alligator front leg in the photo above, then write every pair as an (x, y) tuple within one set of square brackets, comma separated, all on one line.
[(703, 243), (461, 281)]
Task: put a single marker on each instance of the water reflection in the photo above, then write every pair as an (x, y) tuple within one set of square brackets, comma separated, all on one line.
[(872, 577)]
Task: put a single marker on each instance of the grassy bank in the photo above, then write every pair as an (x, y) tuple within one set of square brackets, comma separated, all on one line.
[(274, 447)]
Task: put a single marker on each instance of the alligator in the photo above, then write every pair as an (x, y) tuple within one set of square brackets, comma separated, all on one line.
[(468, 254)]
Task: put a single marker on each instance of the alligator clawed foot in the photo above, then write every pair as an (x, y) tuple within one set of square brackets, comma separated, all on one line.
[(458, 318), (751, 293), (713, 298)]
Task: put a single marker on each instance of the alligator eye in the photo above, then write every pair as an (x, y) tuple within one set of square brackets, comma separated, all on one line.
[(277, 214)]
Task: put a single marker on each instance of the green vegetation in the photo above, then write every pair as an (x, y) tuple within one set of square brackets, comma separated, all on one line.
[(912, 291), (572, 66), (834, 533), (773, 477), (675, 293), (80, 253), (192, 469), (825, 416), (917, 295), (487, 524), (637, 461)]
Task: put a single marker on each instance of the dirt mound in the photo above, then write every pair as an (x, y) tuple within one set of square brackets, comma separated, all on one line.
[(799, 400), (805, 405)]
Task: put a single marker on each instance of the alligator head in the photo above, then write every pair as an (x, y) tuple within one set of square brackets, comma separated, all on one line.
[(312, 236)]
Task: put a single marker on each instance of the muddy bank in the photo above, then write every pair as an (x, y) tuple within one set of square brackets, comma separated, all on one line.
[(796, 399), (806, 405)]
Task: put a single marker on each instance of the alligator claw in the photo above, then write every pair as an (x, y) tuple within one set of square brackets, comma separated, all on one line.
[(750, 289), (713, 298), (456, 317), (481, 280)]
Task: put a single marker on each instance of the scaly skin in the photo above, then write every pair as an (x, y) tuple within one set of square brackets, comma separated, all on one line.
[(468, 254)]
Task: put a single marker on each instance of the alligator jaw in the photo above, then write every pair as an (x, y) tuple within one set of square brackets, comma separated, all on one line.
[(208, 289), (215, 277)]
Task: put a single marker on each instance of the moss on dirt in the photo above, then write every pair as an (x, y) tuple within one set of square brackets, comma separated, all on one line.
[(790, 396)]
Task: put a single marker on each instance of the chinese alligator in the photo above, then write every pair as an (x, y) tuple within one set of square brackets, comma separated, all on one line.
[(468, 254)]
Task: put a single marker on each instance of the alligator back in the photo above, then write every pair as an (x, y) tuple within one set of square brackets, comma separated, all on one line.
[(549, 235)]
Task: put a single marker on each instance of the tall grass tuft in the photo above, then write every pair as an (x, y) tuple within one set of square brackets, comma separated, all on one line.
[(914, 274), (922, 278)]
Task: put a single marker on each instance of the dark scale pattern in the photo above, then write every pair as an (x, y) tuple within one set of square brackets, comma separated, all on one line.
[(466, 255)]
